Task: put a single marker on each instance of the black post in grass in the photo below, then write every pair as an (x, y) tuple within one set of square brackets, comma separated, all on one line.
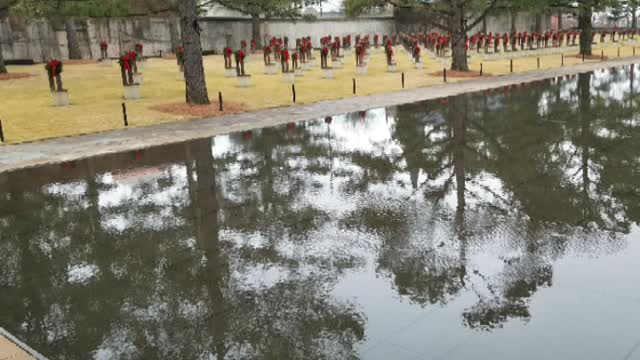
[(444, 74), (538, 62), (511, 65), (562, 59), (160, 53), (403, 80), (220, 100), (124, 114), (480, 69), (354, 86), (293, 91), (1, 132), (601, 55), (582, 57)]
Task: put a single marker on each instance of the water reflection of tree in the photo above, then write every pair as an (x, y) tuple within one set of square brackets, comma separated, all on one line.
[(467, 172), (538, 195), (152, 296)]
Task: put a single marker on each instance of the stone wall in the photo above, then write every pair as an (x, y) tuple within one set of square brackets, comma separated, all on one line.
[(41, 40), (27, 41), (524, 22), (216, 31), (409, 22)]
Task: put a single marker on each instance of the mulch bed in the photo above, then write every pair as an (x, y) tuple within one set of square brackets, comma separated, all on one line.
[(13, 76), (461, 74), (200, 110), (589, 57), (79, 62)]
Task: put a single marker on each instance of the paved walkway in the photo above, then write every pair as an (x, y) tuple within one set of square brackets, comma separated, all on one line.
[(13, 349), (14, 157)]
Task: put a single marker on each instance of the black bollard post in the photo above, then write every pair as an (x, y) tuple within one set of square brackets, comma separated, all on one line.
[(481, 69), (220, 100), (602, 55), (160, 53), (354, 86), (293, 91), (124, 114), (511, 65), (538, 63), (444, 74), (1, 132), (403, 80), (582, 57), (562, 59)]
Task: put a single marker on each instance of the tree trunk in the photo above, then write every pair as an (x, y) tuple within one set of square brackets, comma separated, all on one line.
[(459, 48), (559, 20), (73, 44), (255, 30), (539, 23), (514, 17), (173, 32), (196, 86), (586, 28), (3, 68), (584, 103), (632, 78), (86, 33), (457, 109), (207, 231)]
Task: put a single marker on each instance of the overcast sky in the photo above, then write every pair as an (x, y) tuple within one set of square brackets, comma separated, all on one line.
[(331, 5)]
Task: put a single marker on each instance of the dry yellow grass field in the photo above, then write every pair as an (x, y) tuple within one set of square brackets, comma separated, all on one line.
[(95, 91)]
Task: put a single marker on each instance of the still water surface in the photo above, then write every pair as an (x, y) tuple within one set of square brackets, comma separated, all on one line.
[(501, 225)]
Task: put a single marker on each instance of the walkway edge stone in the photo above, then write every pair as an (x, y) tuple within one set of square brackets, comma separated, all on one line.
[(20, 345), (59, 150)]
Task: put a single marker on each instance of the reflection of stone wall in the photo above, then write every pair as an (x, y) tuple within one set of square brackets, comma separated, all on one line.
[(39, 40)]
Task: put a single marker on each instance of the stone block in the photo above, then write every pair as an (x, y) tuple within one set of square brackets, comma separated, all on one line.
[(138, 78), (132, 92), (60, 98)]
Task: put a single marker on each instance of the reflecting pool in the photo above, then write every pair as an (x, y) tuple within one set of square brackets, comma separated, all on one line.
[(497, 225)]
